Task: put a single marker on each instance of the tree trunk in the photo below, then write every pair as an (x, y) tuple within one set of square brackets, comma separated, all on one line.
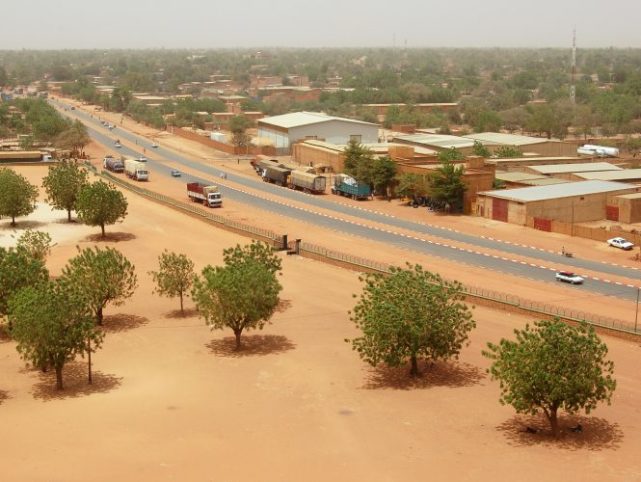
[(238, 333), (414, 369), (68, 215), (90, 378), (13, 220), (99, 316), (102, 227), (182, 311), (554, 421), (59, 385)]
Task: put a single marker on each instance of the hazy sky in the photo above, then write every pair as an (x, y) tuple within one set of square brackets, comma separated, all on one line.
[(71, 24)]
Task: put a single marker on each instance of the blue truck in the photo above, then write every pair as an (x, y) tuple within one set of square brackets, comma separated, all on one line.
[(345, 185)]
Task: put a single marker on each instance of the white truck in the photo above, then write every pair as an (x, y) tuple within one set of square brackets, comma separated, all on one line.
[(135, 169), (208, 195)]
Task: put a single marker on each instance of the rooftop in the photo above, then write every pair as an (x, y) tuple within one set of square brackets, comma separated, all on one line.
[(554, 191), (508, 139), (578, 167), (437, 140), (533, 158), (297, 119), (516, 176), (622, 175)]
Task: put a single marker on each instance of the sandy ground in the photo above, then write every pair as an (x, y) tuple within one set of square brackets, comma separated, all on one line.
[(172, 401)]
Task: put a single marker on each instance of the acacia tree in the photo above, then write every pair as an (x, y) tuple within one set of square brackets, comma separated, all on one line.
[(51, 325), (383, 173), (17, 195), (550, 367), (238, 126), (410, 314), (255, 251), (74, 138), (103, 275), (99, 204), (35, 244), (412, 185), (447, 185), (242, 294), (18, 270), (175, 276), (63, 184), (358, 162)]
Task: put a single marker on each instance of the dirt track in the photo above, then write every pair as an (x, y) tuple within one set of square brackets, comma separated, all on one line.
[(172, 402)]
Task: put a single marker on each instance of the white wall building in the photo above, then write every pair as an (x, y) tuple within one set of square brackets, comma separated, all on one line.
[(284, 130)]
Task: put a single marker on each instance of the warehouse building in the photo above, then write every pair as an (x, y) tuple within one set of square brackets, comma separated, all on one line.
[(516, 179), (437, 142), (526, 144), (623, 175), (520, 163), (567, 171), (284, 130), (570, 202)]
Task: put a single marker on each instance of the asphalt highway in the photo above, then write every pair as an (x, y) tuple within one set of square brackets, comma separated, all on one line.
[(542, 271)]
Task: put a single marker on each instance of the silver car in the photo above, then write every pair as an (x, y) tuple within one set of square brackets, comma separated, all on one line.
[(569, 277)]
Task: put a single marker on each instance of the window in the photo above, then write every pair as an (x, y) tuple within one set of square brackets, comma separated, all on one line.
[(355, 138)]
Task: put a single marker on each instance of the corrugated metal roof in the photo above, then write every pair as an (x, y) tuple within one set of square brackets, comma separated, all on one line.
[(532, 158), (508, 139), (571, 168), (544, 181), (437, 140), (612, 175), (297, 119), (516, 176), (564, 189)]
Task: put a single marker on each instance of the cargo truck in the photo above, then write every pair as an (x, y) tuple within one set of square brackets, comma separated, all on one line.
[(307, 181), (112, 164), (275, 174), (135, 169), (208, 195), (345, 185)]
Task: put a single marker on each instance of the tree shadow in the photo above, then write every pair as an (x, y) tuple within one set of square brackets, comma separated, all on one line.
[(3, 396), (576, 432), (110, 237), (22, 225), (4, 333), (252, 345), (436, 374), (177, 313), (283, 305), (122, 322), (74, 378)]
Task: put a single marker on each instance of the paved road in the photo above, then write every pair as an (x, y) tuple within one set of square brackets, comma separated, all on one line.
[(471, 257)]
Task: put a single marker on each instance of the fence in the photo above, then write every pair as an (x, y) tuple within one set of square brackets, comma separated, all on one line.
[(504, 300)]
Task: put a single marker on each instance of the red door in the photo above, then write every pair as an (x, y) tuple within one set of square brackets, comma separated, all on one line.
[(499, 209)]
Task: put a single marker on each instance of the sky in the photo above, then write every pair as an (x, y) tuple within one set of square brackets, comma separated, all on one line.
[(142, 24)]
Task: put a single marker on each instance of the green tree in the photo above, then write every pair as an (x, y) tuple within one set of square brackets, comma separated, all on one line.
[(51, 325), (451, 154), (383, 174), (480, 150), (550, 367), (488, 120), (74, 138), (238, 126), (174, 277), (358, 161), (103, 276), (410, 314), (35, 244), (18, 270), (447, 185), (508, 152), (99, 204), (412, 185), (255, 251), (241, 295), (17, 195), (63, 184)]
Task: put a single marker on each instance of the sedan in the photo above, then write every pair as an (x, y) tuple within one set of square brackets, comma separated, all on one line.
[(621, 243), (569, 277), (176, 173)]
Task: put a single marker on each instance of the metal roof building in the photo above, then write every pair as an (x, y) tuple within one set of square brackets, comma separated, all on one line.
[(508, 139), (439, 142), (552, 169), (625, 175)]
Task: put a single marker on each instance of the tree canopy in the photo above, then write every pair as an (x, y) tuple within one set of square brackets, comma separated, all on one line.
[(35, 244), (99, 204), (241, 295), (63, 184), (552, 366), (410, 314), (175, 276), (447, 185), (51, 325), (103, 276), (18, 269), (17, 195)]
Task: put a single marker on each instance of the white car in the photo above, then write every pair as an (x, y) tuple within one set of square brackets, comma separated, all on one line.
[(621, 243), (569, 277)]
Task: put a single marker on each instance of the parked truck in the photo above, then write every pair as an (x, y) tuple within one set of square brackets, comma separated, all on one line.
[(135, 169), (307, 181), (275, 174), (345, 185), (112, 164), (208, 195)]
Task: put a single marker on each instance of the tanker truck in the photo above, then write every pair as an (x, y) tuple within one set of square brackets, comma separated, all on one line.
[(112, 164), (136, 169), (208, 195)]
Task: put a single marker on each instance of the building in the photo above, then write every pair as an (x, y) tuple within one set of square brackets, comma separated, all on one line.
[(623, 175), (522, 163), (516, 179), (437, 142), (567, 171), (539, 145), (284, 130), (570, 202)]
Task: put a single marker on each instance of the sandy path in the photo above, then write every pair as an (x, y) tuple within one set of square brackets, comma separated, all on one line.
[(172, 403)]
